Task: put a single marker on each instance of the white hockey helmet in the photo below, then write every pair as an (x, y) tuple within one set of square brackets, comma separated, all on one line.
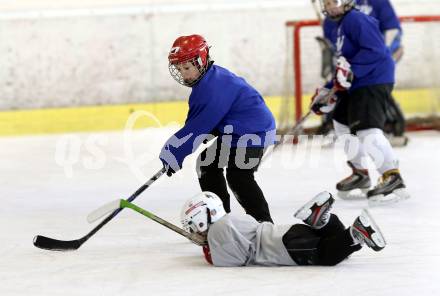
[(346, 4), (200, 211)]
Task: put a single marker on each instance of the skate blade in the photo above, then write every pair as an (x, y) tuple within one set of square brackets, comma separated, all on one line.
[(305, 211), (394, 197), (401, 141), (354, 194), (377, 237)]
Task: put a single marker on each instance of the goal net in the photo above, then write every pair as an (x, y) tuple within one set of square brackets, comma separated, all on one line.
[(417, 87)]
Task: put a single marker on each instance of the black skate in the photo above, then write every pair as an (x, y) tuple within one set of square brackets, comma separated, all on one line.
[(365, 230), (316, 212), (355, 186), (390, 189)]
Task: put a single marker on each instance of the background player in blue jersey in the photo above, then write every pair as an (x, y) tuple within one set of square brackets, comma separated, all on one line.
[(389, 24), (225, 106), (391, 30), (364, 77), (241, 240)]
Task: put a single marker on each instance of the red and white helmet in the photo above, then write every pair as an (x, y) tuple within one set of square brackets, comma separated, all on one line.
[(192, 48), (201, 211)]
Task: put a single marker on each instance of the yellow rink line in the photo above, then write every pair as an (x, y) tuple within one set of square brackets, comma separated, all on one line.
[(114, 117)]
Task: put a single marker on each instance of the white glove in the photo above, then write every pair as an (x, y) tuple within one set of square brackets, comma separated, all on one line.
[(323, 101), (343, 75)]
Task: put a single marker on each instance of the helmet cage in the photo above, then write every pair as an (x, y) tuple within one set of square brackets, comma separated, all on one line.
[(197, 62), (201, 211), (198, 225)]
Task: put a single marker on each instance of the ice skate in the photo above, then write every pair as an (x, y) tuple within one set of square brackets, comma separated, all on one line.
[(390, 189), (355, 186), (316, 212), (365, 230)]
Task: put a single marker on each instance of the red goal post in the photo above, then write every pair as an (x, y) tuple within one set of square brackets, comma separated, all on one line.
[(298, 26)]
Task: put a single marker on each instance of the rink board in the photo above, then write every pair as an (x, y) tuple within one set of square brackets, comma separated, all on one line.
[(114, 117)]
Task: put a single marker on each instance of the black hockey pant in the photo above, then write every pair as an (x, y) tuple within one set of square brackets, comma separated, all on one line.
[(240, 163), (326, 246), (394, 119)]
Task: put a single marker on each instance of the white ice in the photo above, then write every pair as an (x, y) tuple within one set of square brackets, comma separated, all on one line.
[(49, 184)]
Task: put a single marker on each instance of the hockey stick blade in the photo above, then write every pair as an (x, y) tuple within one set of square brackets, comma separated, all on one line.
[(104, 210), (51, 244)]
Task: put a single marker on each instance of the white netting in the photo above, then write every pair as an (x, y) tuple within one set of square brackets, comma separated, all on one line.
[(416, 74)]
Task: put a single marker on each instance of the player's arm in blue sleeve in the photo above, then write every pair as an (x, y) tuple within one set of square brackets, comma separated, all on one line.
[(364, 32), (387, 16), (389, 25), (202, 118)]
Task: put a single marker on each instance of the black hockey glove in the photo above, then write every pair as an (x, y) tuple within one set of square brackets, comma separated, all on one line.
[(169, 170), (169, 161)]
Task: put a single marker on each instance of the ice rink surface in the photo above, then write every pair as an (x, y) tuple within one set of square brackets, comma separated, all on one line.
[(50, 183)]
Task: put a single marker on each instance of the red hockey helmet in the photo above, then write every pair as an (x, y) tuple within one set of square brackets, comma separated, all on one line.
[(186, 48), (194, 49)]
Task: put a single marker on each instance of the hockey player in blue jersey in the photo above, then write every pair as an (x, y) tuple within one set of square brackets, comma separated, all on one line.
[(224, 106), (364, 78), (389, 25), (241, 240)]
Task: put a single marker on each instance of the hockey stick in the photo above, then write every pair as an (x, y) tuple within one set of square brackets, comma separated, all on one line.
[(121, 203), (317, 11), (48, 243), (283, 140), (294, 130)]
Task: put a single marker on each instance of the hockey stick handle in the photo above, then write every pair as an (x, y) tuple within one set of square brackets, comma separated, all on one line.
[(193, 237), (317, 11), (147, 184)]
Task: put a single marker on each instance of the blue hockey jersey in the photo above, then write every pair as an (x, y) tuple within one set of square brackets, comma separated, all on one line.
[(381, 10), (221, 103), (359, 40)]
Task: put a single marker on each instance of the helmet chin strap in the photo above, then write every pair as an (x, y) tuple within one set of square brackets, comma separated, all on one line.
[(208, 213)]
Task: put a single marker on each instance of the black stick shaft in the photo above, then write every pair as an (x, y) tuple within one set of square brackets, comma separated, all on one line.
[(131, 198), (48, 243), (294, 130)]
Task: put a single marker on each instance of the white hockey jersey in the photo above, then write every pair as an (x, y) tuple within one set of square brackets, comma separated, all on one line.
[(239, 241)]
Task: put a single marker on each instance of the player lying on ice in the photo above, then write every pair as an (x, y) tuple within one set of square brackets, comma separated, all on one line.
[(240, 241)]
